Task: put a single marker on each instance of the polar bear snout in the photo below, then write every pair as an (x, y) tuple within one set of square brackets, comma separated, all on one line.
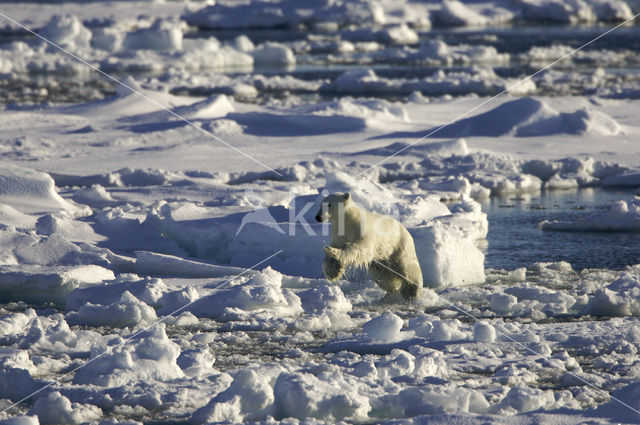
[(323, 214), (333, 207)]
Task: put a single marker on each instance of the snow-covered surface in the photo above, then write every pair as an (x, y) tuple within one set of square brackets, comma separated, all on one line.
[(158, 246)]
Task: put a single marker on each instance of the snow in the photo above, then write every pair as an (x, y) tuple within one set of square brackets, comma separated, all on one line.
[(9, 216), (56, 408), (66, 31), (484, 332), (21, 420), (248, 396), (572, 12), (262, 293), (273, 54), (399, 35), (151, 263), (153, 358), (333, 15), (619, 298), (40, 284), (456, 13), (447, 256), (129, 311), (264, 14), (628, 395), (576, 11), (109, 39), (324, 395), (525, 399), (385, 328), (179, 280), (433, 400), (207, 245), (95, 196), (30, 191), (529, 117), (474, 80), (162, 35), (17, 383)]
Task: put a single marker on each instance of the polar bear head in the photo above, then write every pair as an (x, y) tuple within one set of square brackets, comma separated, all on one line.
[(333, 206)]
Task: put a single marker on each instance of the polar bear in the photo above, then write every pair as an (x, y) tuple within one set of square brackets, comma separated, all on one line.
[(377, 242)]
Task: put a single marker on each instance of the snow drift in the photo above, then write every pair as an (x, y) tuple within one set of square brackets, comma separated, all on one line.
[(530, 117), (31, 191)]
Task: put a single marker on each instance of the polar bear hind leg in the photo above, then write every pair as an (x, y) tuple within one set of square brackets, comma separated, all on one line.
[(384, 277), (396, 281), (409, 290)]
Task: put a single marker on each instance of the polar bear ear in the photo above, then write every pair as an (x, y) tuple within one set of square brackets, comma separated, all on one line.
[(346, 196)]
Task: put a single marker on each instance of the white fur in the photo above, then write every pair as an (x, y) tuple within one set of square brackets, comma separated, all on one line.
[(377, 242)]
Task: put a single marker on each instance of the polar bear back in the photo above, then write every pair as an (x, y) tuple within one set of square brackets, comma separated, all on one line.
[(384, 233)]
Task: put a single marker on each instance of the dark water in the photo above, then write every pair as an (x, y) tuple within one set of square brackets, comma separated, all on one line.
[(514, 240)]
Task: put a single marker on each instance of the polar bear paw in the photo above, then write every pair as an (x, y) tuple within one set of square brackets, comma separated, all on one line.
[(409, 290), (332, 267), (330, 251)]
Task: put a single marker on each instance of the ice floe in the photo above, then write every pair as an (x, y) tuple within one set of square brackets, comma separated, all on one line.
[(67, 31), (116, 215)]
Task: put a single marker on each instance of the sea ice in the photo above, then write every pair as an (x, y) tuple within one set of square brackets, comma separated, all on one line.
[(456, 13), (264, 14), (152, 358), (249, 396), (530, 117), (263, 293), (162, 35), (327, 395), (136, 215), (16, 383), (67, 31), (385, 328), (621, 216), (32, 192), (273, 54), (54, 408), (43, 284), (129, 311), (484, 332), (619, 298)]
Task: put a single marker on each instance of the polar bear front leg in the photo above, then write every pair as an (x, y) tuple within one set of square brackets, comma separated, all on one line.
[(358, 253), (332, 267)]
